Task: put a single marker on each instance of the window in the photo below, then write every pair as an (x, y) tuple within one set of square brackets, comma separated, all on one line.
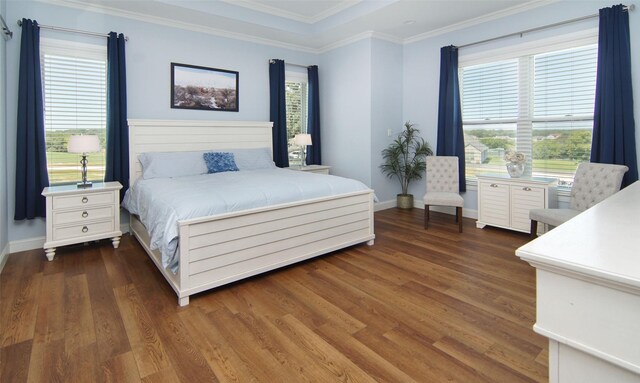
[(296, 99), (74, 81), (539, 104)]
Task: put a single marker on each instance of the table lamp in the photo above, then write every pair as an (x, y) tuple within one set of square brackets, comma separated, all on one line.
[(303, 140), (83, 145)]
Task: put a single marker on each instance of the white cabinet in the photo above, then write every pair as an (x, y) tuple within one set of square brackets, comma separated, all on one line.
[(505, 202), (80, 215), (322, 169)]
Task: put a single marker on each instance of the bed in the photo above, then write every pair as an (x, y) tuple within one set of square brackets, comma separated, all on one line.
[(219, 249)]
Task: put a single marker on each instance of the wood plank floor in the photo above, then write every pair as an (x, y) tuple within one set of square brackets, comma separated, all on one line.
[(418, 306)]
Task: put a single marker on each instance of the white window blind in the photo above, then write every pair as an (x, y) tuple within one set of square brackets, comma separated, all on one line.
[(490, 112), (490, 91), (75, 98), (564, 83), (564, 95), (539, 104)]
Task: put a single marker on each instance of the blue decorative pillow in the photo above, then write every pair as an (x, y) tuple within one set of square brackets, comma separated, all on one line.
[(220, 162)]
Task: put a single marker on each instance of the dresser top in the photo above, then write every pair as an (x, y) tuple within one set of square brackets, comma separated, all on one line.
[(603, 242), (74, 189)]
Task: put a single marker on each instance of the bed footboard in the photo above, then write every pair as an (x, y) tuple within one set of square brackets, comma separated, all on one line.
[(221, 249)]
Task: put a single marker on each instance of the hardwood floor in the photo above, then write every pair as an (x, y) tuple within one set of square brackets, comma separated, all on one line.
[(418, 306)]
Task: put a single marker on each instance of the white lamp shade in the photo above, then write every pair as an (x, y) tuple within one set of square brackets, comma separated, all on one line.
[(83, 144), (302, 139)]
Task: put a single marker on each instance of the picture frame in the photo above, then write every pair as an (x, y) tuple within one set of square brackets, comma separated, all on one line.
[(202, 88)]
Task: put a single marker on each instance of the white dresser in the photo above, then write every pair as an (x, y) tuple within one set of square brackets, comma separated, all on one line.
[(322, 169), (505, 202), (79, 215), (588, 292)]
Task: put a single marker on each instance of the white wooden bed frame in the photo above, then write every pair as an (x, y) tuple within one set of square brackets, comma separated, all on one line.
[(224, 248)]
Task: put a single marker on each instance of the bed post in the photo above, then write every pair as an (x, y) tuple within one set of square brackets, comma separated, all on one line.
[(183, 283), (371, 219)]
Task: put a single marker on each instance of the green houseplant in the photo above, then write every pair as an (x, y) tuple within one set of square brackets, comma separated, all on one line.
[(404, 159)]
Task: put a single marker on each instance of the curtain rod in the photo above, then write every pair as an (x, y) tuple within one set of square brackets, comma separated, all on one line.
[(126, 38), (626, 8), (287, 63), (5, 29)]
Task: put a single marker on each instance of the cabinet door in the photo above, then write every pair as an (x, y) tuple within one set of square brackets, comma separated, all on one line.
[(523, 199), (494, 203)]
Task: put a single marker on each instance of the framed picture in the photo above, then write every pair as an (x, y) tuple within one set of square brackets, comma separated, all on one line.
[(202, 88)]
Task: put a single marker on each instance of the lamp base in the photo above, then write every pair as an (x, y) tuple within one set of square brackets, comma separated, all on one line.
[(84, 185)]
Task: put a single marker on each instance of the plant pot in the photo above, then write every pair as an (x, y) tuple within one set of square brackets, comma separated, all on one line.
[(404, 201)]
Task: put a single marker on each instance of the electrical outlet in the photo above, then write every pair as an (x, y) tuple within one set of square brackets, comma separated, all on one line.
[(389, 132)]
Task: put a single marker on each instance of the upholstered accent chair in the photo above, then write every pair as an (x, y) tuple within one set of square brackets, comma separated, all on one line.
[(442, 186), (592, 184)]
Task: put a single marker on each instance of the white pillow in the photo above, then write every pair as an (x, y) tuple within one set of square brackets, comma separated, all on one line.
[(180, 164), (253, 159), (172, 164)]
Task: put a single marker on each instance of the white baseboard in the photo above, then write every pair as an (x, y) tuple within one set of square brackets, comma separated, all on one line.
[(124, 227), (4, 255), (26, 244), (418, 204), (384, 205)]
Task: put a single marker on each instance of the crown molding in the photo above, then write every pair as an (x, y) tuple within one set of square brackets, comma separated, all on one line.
[(98, 8), (175, 24), (479, 20), (261, 7)]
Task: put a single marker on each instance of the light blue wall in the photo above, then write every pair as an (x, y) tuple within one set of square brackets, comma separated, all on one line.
[(4, 218), (386, 111), (422, 60), (345, 110), (150, 50)]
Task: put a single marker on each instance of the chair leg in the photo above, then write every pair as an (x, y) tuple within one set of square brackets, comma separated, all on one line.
[(534, 229), (459, 218), (426, 216)]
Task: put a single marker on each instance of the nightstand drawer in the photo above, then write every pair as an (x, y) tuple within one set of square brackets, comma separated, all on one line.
[(80, 216), (79, 231), (82, 200)]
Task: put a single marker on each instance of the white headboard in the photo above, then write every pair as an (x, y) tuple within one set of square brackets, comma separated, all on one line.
[(182, 136)]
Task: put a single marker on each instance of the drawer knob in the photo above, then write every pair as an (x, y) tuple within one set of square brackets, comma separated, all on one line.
[(526, 188), (85, 199), (494, 185), (85, 214), (85, 229)]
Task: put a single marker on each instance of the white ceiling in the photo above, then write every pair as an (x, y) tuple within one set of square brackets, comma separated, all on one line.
[(311, 25)]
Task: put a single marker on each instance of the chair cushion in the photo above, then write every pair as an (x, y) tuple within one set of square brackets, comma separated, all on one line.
[(553, 217), (443, 199)]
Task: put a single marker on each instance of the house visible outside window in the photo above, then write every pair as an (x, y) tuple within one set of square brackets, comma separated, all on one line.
[(540, 104), (297, 100), (74, 81)]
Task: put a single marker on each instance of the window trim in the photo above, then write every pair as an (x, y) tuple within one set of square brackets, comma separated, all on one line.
[(543, 45), (68, 48), (516, 51)]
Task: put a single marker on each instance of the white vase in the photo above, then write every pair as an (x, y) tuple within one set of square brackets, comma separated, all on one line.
[(515, 169)]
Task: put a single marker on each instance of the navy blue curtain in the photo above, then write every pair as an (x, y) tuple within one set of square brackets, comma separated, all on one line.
[(313, 117), (278, 113), (450, 134), (614, 140), (117, 154), (31, 161)]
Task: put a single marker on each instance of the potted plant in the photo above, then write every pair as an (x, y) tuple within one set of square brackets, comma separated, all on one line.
[(404, 159)]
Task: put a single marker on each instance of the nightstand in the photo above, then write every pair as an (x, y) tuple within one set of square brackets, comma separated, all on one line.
[(80, 215), (322, 169)]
